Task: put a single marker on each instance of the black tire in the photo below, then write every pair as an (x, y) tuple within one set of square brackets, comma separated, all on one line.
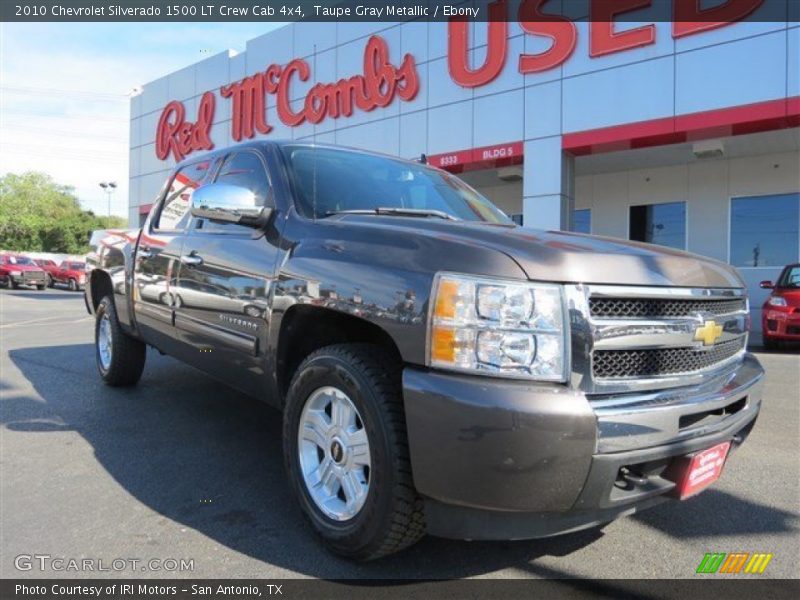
[(50, 282), (770, 344), (392, 516), (14, 284), (73, 285), (127, 354), (40, 287)]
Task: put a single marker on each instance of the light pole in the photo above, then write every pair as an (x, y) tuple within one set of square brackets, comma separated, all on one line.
[(108, 188)]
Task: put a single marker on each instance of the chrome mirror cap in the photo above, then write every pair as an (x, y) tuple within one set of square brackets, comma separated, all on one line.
[(229, 203)]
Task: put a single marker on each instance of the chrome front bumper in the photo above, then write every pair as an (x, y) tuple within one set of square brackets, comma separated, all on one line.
[(642, 420)]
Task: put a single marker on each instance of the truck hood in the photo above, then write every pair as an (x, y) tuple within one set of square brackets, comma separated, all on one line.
[(569, 257), (24, 268)]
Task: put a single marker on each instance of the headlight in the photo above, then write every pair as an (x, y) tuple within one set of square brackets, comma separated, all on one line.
[(498, 327), (16, 273), (776, 301)]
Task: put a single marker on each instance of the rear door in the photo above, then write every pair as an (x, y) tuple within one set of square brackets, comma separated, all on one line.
[(158, 255), (221, 297)]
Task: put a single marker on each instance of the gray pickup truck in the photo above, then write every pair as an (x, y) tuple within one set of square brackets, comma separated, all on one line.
[(439, 368)]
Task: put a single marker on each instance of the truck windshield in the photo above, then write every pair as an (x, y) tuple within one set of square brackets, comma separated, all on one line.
[(331, 181), (20, 260)]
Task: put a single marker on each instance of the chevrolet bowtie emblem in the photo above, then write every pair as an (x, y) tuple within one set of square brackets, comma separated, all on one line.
[(709, 333)]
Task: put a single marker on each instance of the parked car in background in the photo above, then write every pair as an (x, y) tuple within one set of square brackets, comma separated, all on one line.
[(780, 316), (17, 270), (70, 273), (49, 267)]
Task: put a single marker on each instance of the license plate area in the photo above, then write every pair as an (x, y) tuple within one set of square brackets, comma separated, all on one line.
[(695, 472)]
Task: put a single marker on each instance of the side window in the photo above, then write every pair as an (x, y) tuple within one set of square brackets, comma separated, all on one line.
[(246, 170), (174, 213)]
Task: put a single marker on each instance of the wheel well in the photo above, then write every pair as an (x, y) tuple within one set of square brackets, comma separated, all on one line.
[(100, 286), (305, 329)]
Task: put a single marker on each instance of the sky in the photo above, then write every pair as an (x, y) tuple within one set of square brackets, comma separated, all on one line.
[(65, 94)]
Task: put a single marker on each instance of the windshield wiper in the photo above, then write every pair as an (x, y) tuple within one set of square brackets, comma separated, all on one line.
[(395, 211)]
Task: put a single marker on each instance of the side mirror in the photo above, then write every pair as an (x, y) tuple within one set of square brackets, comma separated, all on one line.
[(766, 285), (230, 204)]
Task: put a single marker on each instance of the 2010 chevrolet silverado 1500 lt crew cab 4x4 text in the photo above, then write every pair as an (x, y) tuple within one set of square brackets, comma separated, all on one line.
[(439, 368)]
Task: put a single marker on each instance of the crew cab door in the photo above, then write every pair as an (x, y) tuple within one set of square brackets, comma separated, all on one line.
[(61, 273), (222, 293), (158, 253)]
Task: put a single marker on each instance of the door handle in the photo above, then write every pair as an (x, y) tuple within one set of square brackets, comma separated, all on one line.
[(144, 253), (192, 259)]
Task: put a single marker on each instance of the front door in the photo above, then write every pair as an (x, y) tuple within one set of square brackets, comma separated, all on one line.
[(222, 293), (158, 253)]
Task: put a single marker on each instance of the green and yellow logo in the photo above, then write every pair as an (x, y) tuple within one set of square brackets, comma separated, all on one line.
[(734, 563)]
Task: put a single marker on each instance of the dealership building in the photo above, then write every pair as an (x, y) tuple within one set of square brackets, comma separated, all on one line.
[(685, 134)]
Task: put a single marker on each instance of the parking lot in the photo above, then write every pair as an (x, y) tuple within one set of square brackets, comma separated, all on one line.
[(181, 467)]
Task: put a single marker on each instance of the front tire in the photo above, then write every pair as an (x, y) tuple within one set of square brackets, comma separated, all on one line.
[(50, 282), (40, 287), (73, 285), (344, 432), (120, 358)]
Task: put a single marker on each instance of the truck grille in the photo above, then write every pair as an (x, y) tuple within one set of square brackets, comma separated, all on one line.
[(637, 308), (32, 276), (635, 338), (636, 364)]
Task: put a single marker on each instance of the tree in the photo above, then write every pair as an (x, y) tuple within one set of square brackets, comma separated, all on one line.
[(38, 214)]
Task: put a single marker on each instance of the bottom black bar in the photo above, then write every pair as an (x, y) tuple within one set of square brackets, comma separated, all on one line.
[(730, 588)]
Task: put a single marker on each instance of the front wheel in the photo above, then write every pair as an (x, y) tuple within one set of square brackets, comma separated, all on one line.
[(346, 451), (50, 282), (40, 287), (73, 285), (120, 358)]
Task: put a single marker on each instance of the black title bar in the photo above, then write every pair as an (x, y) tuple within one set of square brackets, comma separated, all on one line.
[(333, 11)]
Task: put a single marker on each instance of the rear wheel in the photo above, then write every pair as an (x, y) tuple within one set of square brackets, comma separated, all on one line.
[(50, 281), (120, 358), (40, 287), (346, 451)]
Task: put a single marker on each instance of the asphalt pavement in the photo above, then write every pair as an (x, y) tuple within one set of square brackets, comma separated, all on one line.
[(181, 467)]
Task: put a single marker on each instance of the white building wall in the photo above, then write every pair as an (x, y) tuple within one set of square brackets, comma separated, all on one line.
[(739, 64), (707, 188)]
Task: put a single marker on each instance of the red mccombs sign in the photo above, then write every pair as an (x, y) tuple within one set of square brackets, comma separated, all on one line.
[(376, 87), (381, 82)]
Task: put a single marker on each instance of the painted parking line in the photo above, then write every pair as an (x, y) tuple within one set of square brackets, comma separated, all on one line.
[(42, 321)]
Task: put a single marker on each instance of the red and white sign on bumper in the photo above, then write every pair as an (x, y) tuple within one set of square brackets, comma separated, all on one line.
[(693, 474)]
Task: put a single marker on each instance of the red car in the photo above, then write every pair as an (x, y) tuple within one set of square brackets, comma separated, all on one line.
[(780, 316), (49, 267), (71, 273), (17, 270)]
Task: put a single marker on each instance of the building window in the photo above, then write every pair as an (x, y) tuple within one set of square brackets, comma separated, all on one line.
[(663, 224), (764, 230), (582, 220)]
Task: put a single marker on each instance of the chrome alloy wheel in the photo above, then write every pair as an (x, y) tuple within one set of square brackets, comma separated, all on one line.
[(334, 453), (104, 341)]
